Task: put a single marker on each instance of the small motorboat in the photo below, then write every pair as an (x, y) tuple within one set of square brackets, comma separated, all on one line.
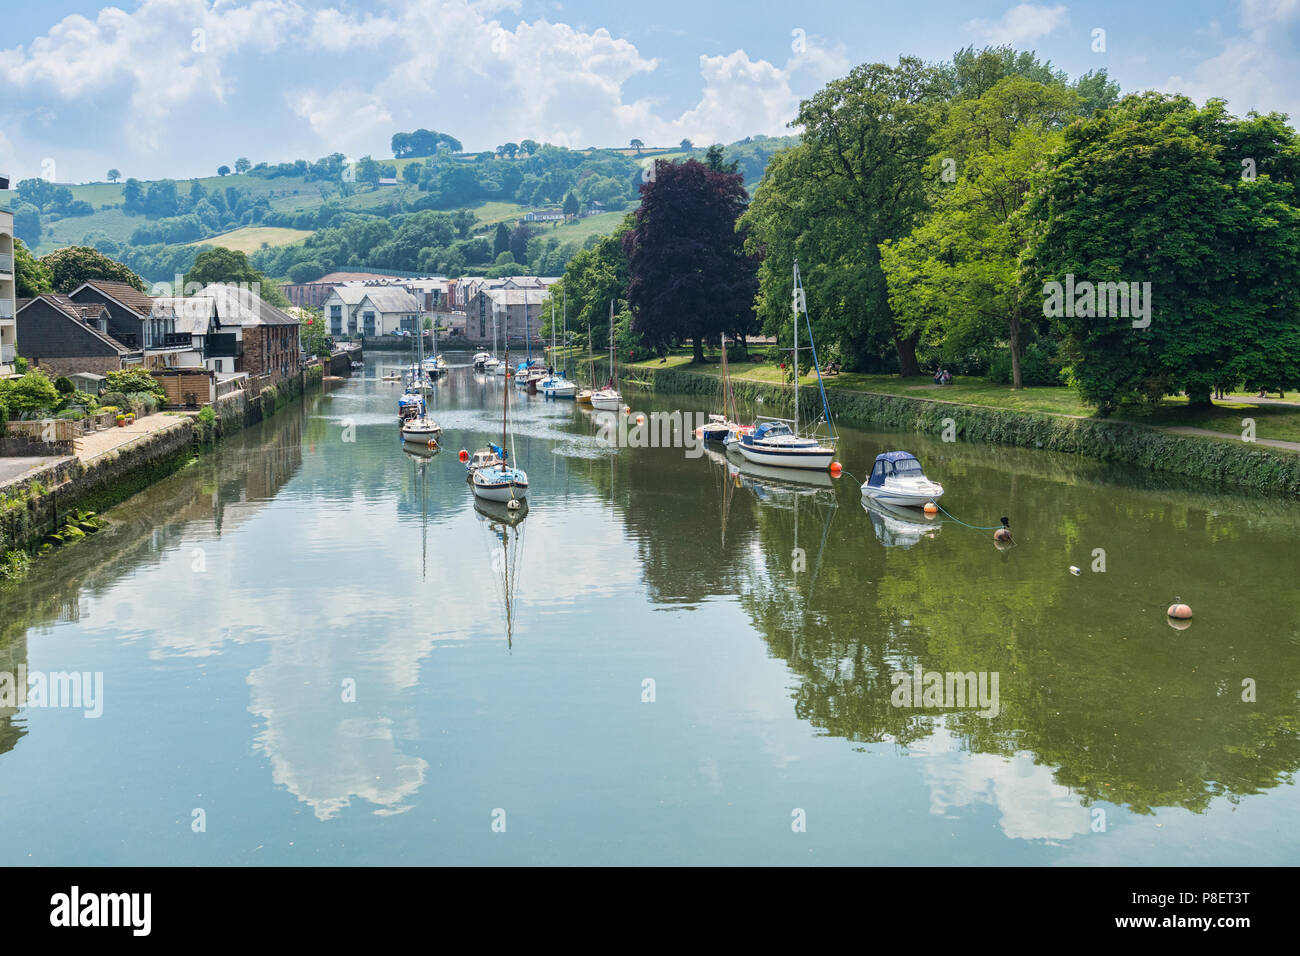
[(607, 399), (557, 386), (421, 430), (897, 479), (583, 397), (481, 360), (717, 428)]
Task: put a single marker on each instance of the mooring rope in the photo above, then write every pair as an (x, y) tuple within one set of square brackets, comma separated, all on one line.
[(937, 505)]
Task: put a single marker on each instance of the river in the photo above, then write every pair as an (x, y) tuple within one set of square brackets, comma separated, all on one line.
[(315, 650)]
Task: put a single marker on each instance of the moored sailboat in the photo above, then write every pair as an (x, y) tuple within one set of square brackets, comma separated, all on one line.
[(502, 481)]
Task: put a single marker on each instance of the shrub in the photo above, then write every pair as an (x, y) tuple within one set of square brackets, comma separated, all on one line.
[(144, 403), (71, 414), (115, 399), (64, 385), (20, 365), (134, 380), (1037, 367)]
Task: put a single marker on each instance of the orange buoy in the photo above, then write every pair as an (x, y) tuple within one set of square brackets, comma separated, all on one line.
[(640, 419), (433, 443), (836, 469), (627, 409), (1180, 612), (464, 455), (931, 508)]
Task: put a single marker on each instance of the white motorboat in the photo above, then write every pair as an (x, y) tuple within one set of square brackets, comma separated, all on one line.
[(898, 479), (481, 359), (556, 386), (421, 430), (607, 400)]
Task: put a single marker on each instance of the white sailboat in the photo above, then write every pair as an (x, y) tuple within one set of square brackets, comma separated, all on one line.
[(777, 441), (420, 428), (609, 399), (720, 427), (502, 482), (555, 385)]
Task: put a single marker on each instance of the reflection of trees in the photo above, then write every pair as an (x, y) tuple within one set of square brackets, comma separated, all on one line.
[(1093, 682)]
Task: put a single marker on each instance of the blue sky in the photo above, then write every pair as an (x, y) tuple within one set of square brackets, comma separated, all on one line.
[(178, 87)]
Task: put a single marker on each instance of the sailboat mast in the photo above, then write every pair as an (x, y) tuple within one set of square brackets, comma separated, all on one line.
[(564, 294), (795, 303)]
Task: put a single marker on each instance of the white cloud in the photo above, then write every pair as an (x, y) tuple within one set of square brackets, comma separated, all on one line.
[(1021, 24), (1255, 68)]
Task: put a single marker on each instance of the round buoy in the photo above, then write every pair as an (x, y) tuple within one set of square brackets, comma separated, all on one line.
[(433, 443), (931, 508), (513, 504), (627, 409), (836, 469), (464, 455), (1002, 534), (1180, 612), (640, 419)]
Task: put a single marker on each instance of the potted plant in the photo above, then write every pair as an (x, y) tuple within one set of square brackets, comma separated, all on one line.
[(121, 420)]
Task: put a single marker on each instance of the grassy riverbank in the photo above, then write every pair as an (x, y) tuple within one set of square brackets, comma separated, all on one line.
[(1048, 418)]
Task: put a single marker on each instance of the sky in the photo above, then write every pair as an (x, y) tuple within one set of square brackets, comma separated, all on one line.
[(175, 88)]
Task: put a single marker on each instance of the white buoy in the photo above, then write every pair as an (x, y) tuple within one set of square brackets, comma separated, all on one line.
[(1075, 571), (513, 504)]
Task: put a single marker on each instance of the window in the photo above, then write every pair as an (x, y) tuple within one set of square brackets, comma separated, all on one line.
[(336, 320)]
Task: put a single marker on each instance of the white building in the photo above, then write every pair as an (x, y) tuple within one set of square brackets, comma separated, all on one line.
[(388, 309), (8, 311)]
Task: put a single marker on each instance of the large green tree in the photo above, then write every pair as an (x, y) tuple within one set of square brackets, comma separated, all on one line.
[(954, 279), (31, 278), (1203, 207), (73, 265), (230, 265), (855, 180)]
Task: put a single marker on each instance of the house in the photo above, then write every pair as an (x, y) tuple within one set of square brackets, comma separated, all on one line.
[(88, 382), (63, 337), (133, 323), (260, 338), (196, 316), (340, 309), (545, 215), (8, 290), (505, 315), (387, 309), (311, 295)]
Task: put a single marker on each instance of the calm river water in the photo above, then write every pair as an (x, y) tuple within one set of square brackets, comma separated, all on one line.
[(306, 659)]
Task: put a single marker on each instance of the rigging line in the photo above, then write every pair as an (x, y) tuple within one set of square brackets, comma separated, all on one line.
[(960, 522)]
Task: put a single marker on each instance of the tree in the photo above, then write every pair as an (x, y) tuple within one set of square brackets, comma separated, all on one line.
[(71, 266), (637, 145), (530, 146), (714, 158), (510, 149), (856, 179), (242, 165), (34, 392), (31, 277), (114, 175), (571, 205), (501, 240), (313, 332), (687, 144), (689, 276), (955, 279), (231, 266), (27, 223), (223, 170), (592, 279), (1152, 191)]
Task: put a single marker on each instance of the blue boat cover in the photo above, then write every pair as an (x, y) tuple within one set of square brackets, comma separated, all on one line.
[(896, 456), (771, 428)]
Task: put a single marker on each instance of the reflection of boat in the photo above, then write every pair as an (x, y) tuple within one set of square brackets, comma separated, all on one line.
[(771, 483), (897, 479), (504, 524), (898, 526), (499, 513), (776, 441)]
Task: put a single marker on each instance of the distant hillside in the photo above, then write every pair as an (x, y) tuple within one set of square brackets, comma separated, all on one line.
[(157, 227)]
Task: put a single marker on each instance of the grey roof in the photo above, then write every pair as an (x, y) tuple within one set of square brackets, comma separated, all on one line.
[(192, 313), (236, 306), (81, 313), (390, 299), (508, 297), (350, 294)]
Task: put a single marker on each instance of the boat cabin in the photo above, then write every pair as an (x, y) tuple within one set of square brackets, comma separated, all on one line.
[(771, 429), (895, 464)]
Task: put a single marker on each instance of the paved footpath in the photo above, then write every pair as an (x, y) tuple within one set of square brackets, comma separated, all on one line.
[(1274, 442), (89, 447)]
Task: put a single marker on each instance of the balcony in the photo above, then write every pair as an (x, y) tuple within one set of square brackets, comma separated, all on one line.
[(6, 263), (6, 309), (172, 340), (128, 339)]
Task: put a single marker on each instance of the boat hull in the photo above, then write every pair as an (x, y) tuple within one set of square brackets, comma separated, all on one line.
[(490, 489), (607, 401), (913, 497), (559, 390), (816, 457)]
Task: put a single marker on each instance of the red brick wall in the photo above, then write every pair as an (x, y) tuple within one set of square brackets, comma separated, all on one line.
[(271, 349)]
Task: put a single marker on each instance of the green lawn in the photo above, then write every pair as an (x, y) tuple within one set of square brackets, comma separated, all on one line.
[(1279, 422), (251, 238)]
